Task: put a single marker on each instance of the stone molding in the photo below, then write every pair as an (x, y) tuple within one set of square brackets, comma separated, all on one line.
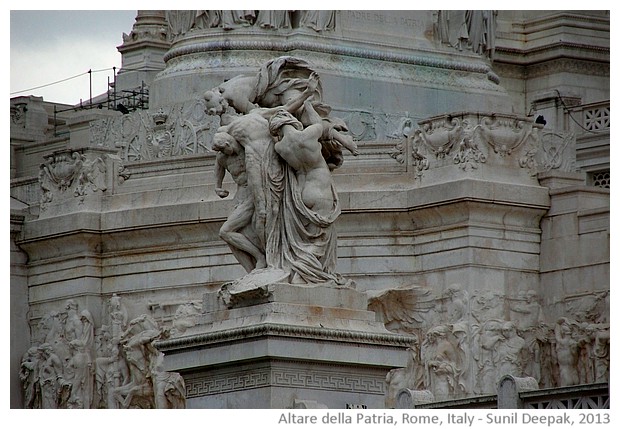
[(276, 376), (271, 329), (589, 68), (330, 49)]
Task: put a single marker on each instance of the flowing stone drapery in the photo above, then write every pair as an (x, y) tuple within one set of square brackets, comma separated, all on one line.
[(295, 236), (302, 240)]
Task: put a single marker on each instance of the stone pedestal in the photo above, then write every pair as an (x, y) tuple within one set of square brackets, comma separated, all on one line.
[(266, 345)]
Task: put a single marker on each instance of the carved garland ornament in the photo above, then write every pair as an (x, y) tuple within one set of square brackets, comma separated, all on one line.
[(65, 169), (464, 137)]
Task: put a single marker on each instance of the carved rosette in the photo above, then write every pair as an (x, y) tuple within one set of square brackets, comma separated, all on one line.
[(73, 173)]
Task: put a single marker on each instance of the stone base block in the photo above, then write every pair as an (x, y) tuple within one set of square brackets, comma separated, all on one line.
[(277, 343)]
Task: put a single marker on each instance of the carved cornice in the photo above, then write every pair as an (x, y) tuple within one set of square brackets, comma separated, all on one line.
[(290, 45), (272, 329), (559, 65), (551, 21), (552, 46)]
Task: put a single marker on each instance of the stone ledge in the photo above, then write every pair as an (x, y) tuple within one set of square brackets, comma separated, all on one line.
[(287, 331)]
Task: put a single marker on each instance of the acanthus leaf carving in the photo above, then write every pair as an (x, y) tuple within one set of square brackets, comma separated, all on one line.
[(469, 155)]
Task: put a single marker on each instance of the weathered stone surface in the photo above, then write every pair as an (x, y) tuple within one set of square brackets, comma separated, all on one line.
[(481, 177)]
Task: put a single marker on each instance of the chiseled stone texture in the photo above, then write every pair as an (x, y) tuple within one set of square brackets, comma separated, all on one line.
[(500, 220)]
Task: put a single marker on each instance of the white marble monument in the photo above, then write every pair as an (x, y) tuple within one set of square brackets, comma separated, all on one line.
[(328, 209)]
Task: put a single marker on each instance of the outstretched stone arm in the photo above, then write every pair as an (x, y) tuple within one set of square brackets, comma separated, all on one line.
[(294, 105), (312, 114)]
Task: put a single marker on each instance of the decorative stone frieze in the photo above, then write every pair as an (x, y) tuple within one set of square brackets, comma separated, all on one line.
[(468, 139), (75, 180), (141, 136), (65, 171), (471, 341), (70, 364)]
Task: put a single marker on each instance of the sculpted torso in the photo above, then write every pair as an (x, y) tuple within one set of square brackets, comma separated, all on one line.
[(302, 151)]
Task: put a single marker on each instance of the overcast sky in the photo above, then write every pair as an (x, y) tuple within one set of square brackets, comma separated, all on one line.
[(49, 46)]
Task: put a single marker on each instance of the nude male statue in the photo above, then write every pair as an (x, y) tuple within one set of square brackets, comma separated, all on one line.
[(231, 158)]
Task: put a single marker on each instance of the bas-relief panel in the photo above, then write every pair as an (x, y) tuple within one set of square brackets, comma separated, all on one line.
[(74, 364), (469, 341)]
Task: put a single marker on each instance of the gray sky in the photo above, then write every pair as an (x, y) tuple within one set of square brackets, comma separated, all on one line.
[(51, 45)]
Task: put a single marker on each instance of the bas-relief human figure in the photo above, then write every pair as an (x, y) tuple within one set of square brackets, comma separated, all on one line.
[(487, 341), (468, 29), (148, 385), (135, 342), (118, 316), (182, 21), (29, 376), (318, 20), (273, 19), (80, 370), (402, 378), (73, 324), (98, 371), (510, 352), (54, 387), (601, 354), (112, 372), (232, 19), (442, 363), (453, 28), (567, 349), (179, 22), (168, 387), (481, 28), (207, 19)]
